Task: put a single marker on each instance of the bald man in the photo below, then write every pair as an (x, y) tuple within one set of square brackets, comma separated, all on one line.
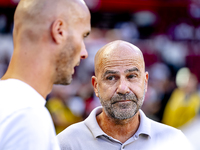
[(120, 82), (48, 43)]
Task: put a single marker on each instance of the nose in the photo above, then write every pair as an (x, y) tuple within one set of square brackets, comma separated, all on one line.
[(123, 87), (84, 53)]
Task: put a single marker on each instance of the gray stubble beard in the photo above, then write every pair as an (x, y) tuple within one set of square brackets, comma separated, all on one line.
[(122, 111)]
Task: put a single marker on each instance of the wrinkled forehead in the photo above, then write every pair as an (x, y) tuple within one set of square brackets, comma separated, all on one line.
[(120, 55)]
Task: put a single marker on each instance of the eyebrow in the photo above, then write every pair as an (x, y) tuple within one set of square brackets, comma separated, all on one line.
[(132, 70), (110, 72), (117, 72)]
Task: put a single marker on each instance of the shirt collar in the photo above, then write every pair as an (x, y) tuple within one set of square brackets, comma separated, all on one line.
[(145, 125), (91, 123)]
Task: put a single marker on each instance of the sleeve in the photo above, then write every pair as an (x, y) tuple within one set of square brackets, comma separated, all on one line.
[(29, 129)]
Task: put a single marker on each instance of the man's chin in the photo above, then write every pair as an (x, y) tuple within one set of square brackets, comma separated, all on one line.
[(64, 82)]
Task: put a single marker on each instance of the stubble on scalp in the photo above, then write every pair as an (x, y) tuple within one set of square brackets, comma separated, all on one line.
[(35, 17)]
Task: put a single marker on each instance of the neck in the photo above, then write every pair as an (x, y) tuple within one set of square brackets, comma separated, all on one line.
[(31, 70), (121, 130)]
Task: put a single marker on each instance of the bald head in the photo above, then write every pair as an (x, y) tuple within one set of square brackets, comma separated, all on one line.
[(34, 17), (48, 40), (117, 49)]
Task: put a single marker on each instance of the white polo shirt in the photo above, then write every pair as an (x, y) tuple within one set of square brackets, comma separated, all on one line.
[(151, 135), (25, 123)]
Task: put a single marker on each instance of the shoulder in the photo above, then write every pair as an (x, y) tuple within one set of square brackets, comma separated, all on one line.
[(30, 120), (28, 128), (73, 136), (22, 97), (169, 136), (164, 130), (155, 128), (82, 128), (75, 129), (163, 135), (160, 126)]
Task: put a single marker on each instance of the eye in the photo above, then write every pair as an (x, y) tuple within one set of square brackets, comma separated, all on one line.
[(110, 78), (86, 35), (131, 76)]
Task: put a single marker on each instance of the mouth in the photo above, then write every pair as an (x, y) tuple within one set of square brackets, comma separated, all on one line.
[(74, 67), (77, 64), (122, 101)]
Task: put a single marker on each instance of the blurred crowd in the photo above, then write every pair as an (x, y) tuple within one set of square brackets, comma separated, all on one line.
[(172, 59)]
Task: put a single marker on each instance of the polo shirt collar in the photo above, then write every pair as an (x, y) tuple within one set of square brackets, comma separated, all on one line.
[(145, 125), (91, 123)]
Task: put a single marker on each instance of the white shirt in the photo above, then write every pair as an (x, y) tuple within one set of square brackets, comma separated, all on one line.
[(192, 132), (25, 123), (151, 135)]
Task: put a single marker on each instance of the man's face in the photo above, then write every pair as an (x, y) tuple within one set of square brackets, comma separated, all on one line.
[(121, 83), (74, 49)]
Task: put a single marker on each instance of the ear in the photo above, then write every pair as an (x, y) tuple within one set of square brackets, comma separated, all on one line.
[(58, 31), (95, 85), (146, 80)]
